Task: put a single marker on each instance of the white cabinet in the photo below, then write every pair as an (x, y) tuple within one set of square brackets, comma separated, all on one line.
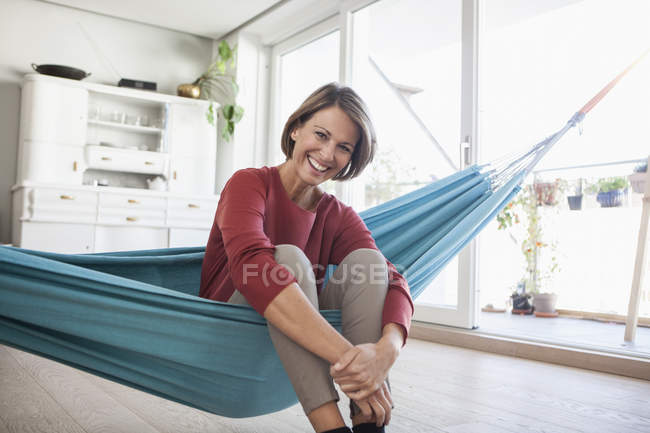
[(188, 237), (96, 219), (75, 136), (58, 164), (58, 237), (116, 238), (54, 112), (125, 160), (186, 147)]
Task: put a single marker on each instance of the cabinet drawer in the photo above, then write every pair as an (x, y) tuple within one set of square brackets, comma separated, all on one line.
[(64, 205), (201, 220), (136, 217), (68, 213), (191, 213), (129, 238), (103, 158), (188, 237), (62, 197), (57, 237), (132, 201), (185, 204)]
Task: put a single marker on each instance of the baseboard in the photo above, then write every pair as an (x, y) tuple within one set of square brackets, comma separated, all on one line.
[(539, 351)]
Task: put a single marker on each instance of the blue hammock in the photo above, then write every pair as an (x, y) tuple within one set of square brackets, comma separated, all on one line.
[(135, 317)]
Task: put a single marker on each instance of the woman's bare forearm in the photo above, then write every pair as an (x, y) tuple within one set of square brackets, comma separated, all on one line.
[(293, 314)]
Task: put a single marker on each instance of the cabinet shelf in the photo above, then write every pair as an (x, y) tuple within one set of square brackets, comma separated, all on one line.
[(126, 127)]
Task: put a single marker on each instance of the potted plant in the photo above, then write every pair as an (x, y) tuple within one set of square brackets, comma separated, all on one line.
[(575, 201), (611, 190), (637, 178), (521, 300), (547, 192), (218, 84), (532, 246)]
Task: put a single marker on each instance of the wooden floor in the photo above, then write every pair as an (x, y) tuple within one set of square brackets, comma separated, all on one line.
[(436, 389)]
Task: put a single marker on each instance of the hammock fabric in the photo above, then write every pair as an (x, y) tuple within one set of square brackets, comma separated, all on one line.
[(135, 317)]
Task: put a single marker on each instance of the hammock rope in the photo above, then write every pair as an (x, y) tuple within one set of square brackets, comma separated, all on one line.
[(135, 317)]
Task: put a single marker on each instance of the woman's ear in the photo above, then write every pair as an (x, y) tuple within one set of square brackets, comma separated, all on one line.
[(295, 131)]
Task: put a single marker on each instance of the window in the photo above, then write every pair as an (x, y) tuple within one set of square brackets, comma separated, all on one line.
[(532, 81), (301, 70), (407, 67)]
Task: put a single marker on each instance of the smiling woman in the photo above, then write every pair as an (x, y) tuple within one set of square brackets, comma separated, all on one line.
[(275, 233)]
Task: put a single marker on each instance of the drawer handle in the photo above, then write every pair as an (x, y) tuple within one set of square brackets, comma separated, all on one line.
[(133, 201), (131, 219), (106, 158), (193, 206), (148, 163), (66, 197)]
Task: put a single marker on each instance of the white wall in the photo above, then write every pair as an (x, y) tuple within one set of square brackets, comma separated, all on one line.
[(37, 32), (248, 148)]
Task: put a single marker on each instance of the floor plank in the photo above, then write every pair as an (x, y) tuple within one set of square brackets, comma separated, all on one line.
[(25, 407), (3, 427), (474, 381), (94, 411), (436, 389)]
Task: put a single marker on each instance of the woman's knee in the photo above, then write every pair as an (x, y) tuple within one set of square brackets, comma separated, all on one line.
[(296, 262), (366, 266)]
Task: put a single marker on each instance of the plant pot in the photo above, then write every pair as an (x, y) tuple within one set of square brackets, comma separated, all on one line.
[(189, 91), (520, 304), (575, 202), (546, 192), (638, 182), (613, 198), (545, 303)]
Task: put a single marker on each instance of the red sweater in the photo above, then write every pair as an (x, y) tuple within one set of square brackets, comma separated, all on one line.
[(254, 214)]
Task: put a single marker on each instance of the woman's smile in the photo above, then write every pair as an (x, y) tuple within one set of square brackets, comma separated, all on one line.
[(316, 165)]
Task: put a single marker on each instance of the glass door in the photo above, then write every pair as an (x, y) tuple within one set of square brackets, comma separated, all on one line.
[(413, 63)]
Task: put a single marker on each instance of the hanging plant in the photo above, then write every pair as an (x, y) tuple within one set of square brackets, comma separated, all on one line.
[(218, 84)]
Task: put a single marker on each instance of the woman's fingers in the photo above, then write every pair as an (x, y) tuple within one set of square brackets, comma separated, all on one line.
[(360, 391), (378, 409), (355, 385), (365, 408), (344, 361), (386, 392), (386, 405)]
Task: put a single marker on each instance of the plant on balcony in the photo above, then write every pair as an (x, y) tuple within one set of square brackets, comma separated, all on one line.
[(638, 177), (546, 193), (610, 191), (575, 200), (532, 246)]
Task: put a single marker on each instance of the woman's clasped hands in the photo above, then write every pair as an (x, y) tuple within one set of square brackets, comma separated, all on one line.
[(361, 374)]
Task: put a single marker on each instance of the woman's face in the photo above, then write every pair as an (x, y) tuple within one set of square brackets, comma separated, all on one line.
[(324, 145)]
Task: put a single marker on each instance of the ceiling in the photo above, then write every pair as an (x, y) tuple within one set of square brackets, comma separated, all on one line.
[(209, 18)]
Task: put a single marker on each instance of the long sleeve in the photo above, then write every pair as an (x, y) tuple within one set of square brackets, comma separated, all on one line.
[(398, 306), (240, 217)]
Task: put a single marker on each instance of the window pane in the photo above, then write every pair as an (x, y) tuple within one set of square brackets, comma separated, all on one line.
[(407, 67), (302, 71), (541, 61)]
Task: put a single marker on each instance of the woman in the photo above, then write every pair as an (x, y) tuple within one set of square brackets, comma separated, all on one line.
[(274, 234)]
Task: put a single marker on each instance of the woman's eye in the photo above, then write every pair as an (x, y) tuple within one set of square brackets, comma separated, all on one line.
[(345, 148), (320, 134)]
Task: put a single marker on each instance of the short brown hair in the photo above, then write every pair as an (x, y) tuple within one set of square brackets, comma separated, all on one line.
[(333, 94)]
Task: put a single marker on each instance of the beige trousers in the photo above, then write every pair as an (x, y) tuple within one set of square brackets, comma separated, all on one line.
[(358, 288)]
